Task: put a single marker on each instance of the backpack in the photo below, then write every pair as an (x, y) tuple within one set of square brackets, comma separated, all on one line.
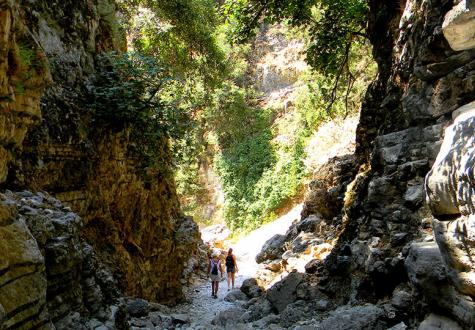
[(229, 261), (214, 268)]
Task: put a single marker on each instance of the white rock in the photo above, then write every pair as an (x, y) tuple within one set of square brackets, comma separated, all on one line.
[(434, 322), (459, 26)]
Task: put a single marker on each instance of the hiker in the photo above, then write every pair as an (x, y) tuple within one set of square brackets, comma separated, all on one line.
[(231, 267), (214, 268)]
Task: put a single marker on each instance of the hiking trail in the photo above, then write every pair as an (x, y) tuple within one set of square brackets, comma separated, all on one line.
[(201, 308)]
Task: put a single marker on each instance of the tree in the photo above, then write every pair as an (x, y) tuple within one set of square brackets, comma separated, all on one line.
[(333, 26)]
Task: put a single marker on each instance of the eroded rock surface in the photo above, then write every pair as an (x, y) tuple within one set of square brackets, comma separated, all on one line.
[(450, 195), (50, 275), (459, 26)]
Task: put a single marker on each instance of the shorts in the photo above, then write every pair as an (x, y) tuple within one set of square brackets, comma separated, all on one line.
[(214, 278), (230, 269)]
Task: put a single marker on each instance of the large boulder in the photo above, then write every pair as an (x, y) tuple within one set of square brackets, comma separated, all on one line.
[(358, 317), (427, 271), (228, 317), (434, 322), (425, 268), (285, 292), (459, 26), (272, 249), (449, 188), (250, 288), (47, 272)]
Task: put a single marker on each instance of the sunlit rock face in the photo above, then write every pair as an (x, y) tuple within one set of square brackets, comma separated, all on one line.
[(450, 183), (23, 76), (459, 25), (450, 195)]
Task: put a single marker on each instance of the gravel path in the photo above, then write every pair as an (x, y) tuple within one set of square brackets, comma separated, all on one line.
[(202, 308)]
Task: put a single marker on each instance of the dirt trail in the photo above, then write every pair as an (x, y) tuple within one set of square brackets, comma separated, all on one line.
[(202, 308)]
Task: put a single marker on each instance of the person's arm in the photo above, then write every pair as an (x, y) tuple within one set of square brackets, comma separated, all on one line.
[(221, 267), (235, 263), (209, 266)]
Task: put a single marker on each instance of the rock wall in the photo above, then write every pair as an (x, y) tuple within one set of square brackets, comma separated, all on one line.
[(49, 141), (49, 275), (422, 82), (23, 75), (407, 259)]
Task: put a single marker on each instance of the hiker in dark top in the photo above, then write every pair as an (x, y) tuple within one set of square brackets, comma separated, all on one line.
[(214, 268), (231, 267)]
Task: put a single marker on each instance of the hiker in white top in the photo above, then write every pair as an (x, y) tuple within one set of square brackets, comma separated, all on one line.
[(214, 268)]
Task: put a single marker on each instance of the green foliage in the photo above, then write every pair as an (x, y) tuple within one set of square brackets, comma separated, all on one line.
[(312, 96), (180, 32), (332, 25), (27, 55), (256, 174), (131, 92), (241, 166), (159, 86), (126, 89)]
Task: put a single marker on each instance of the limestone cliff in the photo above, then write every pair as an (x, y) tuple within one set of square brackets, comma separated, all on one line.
[(50, 141)]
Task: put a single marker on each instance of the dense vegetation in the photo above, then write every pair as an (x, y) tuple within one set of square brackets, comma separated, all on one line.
[(188, 78)]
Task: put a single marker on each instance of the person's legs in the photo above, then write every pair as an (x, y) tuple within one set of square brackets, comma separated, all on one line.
[(232, 278), (229, 280), (215, 289), (212, 288)]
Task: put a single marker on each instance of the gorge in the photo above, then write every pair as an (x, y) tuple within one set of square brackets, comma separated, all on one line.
[(92, 233)]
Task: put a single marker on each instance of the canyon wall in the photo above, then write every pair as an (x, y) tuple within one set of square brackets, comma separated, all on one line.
[(402, 240), (128, 215)]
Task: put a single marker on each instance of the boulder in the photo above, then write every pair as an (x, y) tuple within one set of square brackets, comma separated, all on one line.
[(425, 267), (427, 271), (459, 26), (310, 224), (402, 299), (314, 266), (272, 248), (138, 308), (449, 187), (284, 292), (228, 317), (47, 270), (22, 272), (250, 288), (399, 326), (358, 317), (257, 308), (180, 318), (234, 295), (434, 322), (274, 265)]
